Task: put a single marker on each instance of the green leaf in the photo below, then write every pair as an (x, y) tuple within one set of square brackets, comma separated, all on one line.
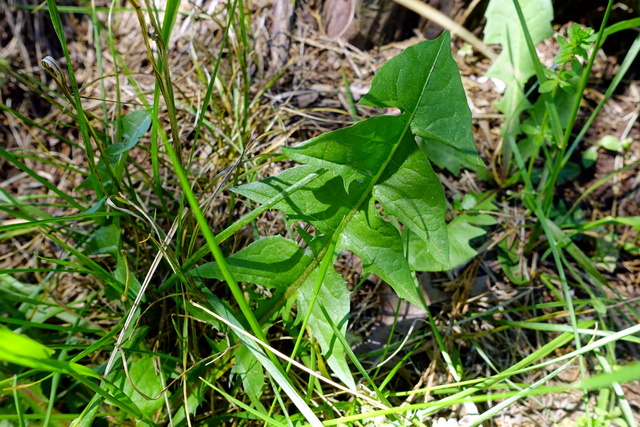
[(514, 65), (356, 152), (143, 375), (621, 375), (548, 86), (423, 82), (15, 346), (589, 157), (510, 264), (23, 351), (410, 190), (246, 366), (377, 243), (375, 166), (611, 143), (335, 297), (273, 262), (276, 262), (105, 240), (134, 125), (633, 221), (570, 172), (512, 104), (126, 276), (444, 157), (324, 203), (462, 230), (374, 170), (269, 262)]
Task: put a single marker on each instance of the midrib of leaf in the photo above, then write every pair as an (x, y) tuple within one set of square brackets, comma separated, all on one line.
[(415, 108), (344, 212), (368, 191), (333, 242), (365, 195), (338, 230)]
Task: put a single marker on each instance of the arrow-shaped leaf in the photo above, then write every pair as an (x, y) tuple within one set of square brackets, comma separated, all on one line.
[(374, 170), (377, 161)]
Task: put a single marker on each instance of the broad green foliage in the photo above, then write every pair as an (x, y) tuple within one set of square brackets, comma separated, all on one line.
[(377, 160), (371, 171), (515, 66), (250, 372), (276, 263), (423, 82), (273, 262), (280, 344), (14, 347), (461, 231), (134, 125), (142, 373), (334, 296)]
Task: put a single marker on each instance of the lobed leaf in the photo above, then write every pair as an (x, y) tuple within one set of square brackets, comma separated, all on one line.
[(462, 230), (515, 66), (375, 170), (336, 300), (276, 262), (423, 82), (326, 204)]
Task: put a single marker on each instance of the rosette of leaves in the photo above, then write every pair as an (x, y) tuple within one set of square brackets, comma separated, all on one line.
[(364, 175)]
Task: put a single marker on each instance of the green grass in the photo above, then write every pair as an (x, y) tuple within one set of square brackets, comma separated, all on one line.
[(154, 275)]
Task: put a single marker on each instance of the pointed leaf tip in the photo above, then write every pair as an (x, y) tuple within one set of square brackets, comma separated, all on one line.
[(424, 83)]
